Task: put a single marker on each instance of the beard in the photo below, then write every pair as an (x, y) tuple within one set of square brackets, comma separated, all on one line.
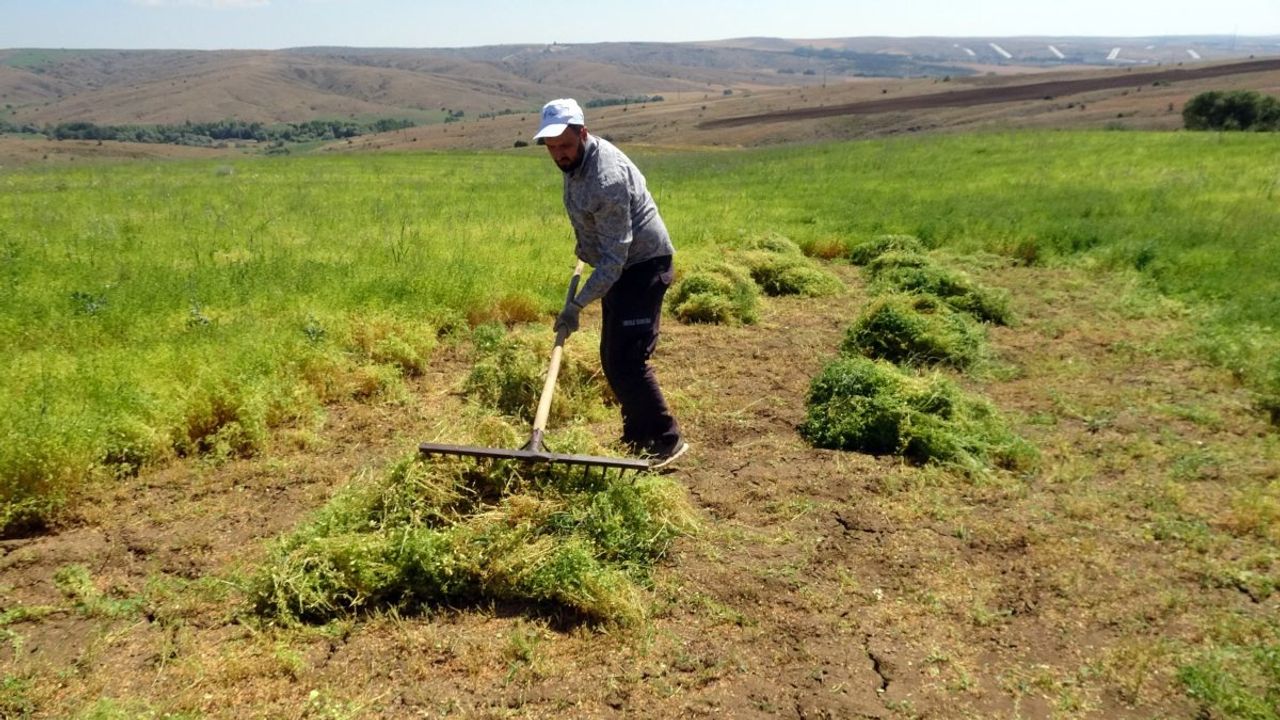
[(576, 162)]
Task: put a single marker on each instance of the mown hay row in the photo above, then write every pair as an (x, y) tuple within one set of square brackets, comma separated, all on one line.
[(898, 263), (874, 397)]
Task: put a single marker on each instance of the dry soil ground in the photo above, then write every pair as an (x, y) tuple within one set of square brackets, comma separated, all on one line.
[(824, 584)]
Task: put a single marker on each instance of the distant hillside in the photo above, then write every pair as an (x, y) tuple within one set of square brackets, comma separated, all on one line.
[(428, 85)]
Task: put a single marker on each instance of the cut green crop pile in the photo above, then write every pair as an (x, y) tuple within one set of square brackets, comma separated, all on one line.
[(779, 267), (864, 253), (898, 263), (446, 530), (916, 330), (871, 406), (719, 293), (778, 275), (954, 287), (727, 292)]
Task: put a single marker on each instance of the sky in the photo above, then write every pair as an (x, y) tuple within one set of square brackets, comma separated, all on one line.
[(274, 24)]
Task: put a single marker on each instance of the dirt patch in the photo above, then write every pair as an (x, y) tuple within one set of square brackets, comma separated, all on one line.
[(825, 585)]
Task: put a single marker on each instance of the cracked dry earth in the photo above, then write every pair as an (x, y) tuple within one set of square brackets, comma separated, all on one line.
[(824, 584)]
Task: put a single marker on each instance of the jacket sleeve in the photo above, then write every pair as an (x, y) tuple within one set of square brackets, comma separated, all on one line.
[(611, 210)]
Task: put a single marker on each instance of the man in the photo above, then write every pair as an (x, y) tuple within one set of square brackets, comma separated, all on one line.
[(622, 237)]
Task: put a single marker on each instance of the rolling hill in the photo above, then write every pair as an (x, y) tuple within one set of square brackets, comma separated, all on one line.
[(43, 86)]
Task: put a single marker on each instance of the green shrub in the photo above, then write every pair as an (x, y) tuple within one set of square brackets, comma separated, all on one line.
[(863, 253), (445, 530), (953, 287), (1232, 110), (719, 293), (915, 330), (871, 406)]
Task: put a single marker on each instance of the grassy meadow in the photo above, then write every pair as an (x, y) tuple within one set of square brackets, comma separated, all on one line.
[(161, 310)]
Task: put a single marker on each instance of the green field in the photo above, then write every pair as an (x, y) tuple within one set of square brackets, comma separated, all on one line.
[(189, 308)]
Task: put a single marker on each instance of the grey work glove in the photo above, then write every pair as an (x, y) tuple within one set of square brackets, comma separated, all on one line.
[(567, 320)]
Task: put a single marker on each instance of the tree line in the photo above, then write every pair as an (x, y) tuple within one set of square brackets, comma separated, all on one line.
[(610, 102), (209, 133)]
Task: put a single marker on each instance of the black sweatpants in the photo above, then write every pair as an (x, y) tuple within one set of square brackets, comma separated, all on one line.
[(628, 335)]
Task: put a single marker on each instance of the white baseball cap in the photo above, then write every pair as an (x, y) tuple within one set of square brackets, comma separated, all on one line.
[(558, 115)]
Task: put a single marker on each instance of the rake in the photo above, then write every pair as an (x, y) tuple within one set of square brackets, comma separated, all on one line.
[(534, 452)]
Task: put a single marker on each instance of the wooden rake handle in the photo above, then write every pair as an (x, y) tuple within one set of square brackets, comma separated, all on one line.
[(557, 351)]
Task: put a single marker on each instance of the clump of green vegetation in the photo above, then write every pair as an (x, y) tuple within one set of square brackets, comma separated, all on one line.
[(775, 244), (916, 330), (448, 530), (786, 274), (77, 585), (222, 419), (779, 267), (897, 263), (952, 286), (1236, 682), (226, 406), (132, 444), (15, 696), (509, 369), (385, 339), (865, 252), (43, 461), (1232, 110), (894, 259), (720, 293), (871, 406), (1252, 353)]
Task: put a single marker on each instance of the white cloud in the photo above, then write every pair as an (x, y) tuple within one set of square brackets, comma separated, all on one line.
[(216, 4)]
